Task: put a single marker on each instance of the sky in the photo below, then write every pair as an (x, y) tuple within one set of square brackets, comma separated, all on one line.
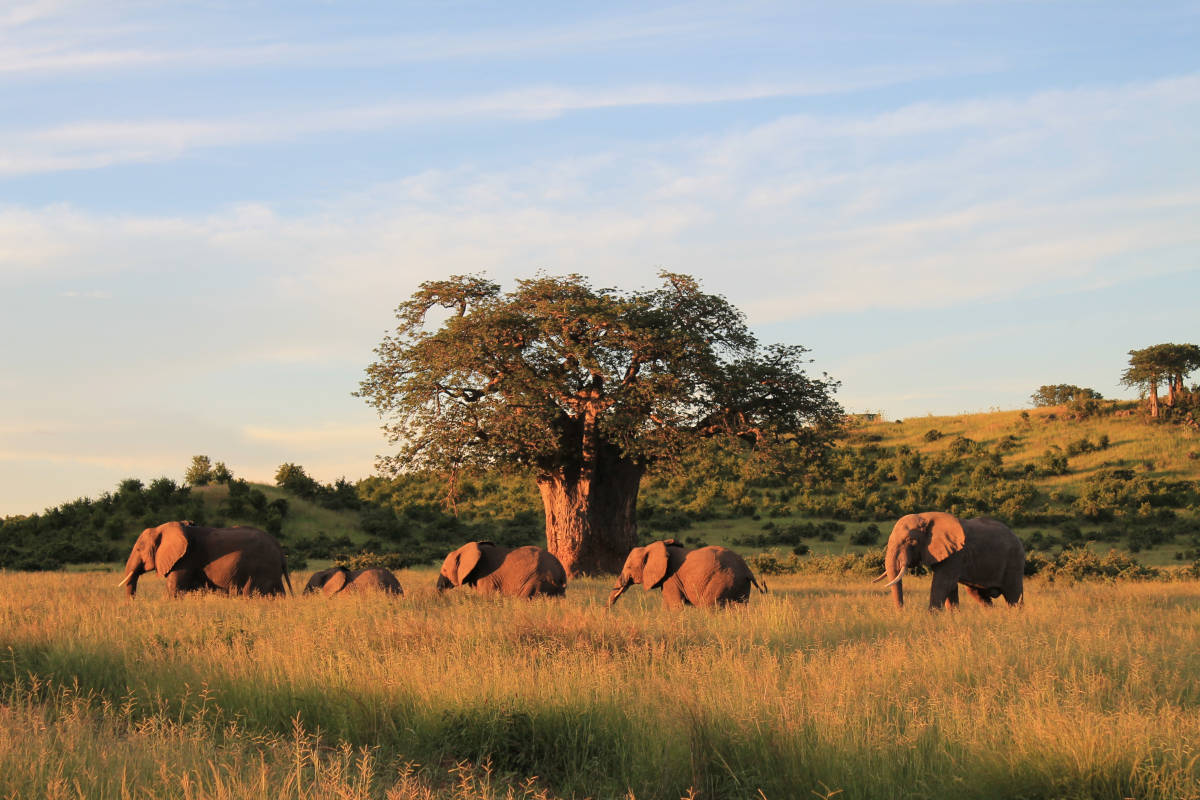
[(209, 211)]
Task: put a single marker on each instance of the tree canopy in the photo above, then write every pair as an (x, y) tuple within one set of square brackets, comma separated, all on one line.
[(1168, 362), (587, 387), (1063, 393)]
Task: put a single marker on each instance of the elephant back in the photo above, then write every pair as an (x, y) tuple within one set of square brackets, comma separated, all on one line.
[(530, 570), (376, 579), (715, 575)]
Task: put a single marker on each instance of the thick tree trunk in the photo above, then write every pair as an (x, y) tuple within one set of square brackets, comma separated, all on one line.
[(591, 523), (1154, 401)]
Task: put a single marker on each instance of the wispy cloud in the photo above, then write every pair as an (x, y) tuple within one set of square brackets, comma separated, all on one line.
[(1032, 193), (60, 45), (97, 144), (315, 437)]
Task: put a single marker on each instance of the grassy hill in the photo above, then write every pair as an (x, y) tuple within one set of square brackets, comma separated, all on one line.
[(1111, 480)]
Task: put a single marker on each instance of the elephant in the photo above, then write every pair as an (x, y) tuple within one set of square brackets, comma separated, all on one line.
[(982, 554), (489, 568), (234, 560), (706, 577), (339, 579)]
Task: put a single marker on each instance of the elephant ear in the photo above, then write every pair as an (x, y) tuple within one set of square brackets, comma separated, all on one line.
[(946, 536), (469, 557), (172, 545), (337, 581), (658, 564)]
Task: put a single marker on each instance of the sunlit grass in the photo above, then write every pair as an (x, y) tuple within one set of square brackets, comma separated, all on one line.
[(819, 686)]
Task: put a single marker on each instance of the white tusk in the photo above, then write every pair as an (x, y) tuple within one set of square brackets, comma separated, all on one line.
[(897, 578), (881, 577), (125, 580)]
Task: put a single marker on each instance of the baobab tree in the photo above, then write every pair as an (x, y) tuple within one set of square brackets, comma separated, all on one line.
[(1169, 362), (587, 388)]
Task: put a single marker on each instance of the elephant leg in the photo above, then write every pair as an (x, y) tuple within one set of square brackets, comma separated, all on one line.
[(1014, 590), (945, 587), (173, 581), (673, 595)]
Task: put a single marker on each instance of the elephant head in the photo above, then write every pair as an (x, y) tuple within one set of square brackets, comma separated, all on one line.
[(927, 538), (458, 566), (157, 549), (649, 566), (336, 580)]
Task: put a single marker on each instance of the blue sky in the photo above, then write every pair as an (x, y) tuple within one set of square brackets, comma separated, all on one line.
[(208, 211)]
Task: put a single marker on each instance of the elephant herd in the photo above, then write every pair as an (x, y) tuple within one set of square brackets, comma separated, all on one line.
[(981, 554)]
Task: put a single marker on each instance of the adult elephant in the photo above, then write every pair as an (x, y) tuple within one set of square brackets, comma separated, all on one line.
[(980, 553), (339, 579), (489, 568), (191, 557), (707, 577)]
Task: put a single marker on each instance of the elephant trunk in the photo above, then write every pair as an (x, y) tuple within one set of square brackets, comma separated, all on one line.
[(619, 589), (443, 583), (130, 581), (895, 570)]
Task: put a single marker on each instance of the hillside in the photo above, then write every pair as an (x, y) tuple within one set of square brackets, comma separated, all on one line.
[(1111, 479)]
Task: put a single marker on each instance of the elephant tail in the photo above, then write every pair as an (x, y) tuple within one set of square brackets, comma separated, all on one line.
[(761, 586), (288, 580)]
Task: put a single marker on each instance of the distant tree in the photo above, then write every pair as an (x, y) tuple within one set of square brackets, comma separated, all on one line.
[(586, 387), (1062, 394), (200, 472), (1150, 366), (1179, 361), (221, 473), (294, 479)]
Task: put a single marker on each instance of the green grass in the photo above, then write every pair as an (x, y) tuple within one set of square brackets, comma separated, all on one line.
[(816, 689), (304, 518)]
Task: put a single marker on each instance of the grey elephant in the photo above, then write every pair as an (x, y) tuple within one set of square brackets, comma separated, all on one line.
[(982, 554), (190, 557), (489, 568), (336, 580), (706, 577)]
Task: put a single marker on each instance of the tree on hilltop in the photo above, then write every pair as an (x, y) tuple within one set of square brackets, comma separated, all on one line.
[(1062, 394), (200, 471), (587, 387), (1169, 362)]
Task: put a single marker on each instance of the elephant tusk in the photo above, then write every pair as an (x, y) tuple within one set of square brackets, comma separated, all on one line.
[(896, 579), (881, 577), (125, 580)]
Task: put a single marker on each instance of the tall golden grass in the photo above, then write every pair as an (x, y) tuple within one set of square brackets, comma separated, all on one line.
[(819, 688)]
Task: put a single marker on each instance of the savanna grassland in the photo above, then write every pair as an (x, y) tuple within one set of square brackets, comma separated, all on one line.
[(818, 688)]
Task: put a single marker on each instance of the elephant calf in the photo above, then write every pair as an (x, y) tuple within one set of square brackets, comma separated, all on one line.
[(491, 569), (707, 577), (339, 579)]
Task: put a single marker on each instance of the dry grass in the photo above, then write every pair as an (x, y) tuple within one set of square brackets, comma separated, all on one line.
[(1158, 450), (818, 687)]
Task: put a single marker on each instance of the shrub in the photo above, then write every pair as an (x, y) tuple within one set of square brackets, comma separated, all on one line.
[(848, 564), (1080, 563), (367, 560), (866, 536)]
